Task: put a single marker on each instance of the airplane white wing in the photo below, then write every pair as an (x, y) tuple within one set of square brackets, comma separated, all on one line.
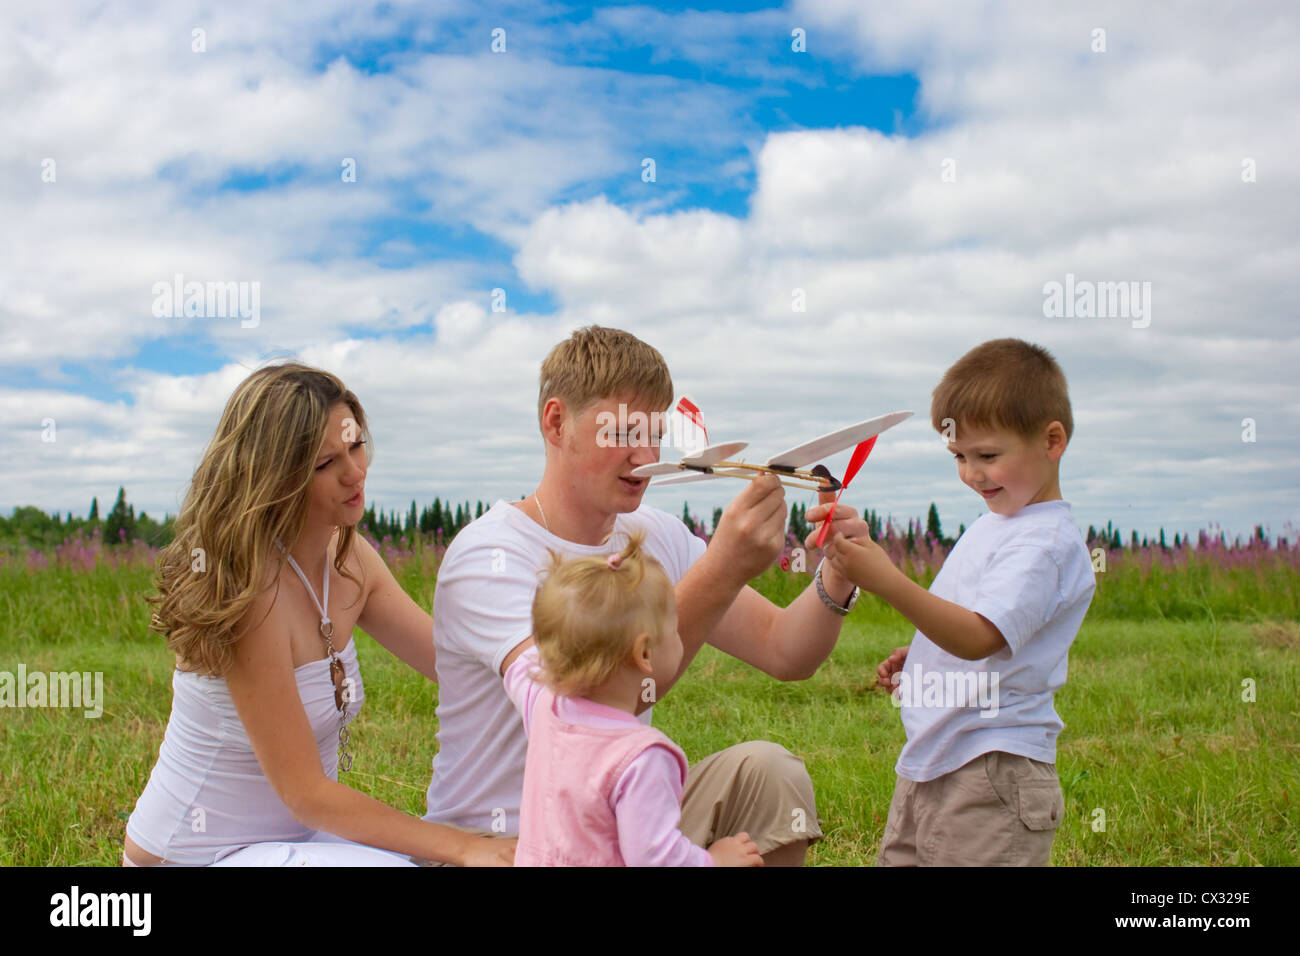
[(683, 477), (806, 454), (819, 448), (703, 458), (714, 453)]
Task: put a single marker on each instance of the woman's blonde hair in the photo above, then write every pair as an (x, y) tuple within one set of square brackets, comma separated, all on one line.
[(251, 488), (586, 615)]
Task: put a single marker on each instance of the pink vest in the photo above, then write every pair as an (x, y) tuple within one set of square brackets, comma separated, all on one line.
[(566, 816)]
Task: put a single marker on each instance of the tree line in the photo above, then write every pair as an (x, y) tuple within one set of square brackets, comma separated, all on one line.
[(438, 523)]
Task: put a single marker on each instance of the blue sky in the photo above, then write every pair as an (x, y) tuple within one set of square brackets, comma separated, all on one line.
[(521, 170), (769, 88)]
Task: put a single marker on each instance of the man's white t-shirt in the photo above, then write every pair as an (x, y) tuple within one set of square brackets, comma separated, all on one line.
[(1030, 574), (482, 610)]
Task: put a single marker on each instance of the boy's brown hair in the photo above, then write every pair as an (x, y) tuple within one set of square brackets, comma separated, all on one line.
[(1005, 383), (596, 362)]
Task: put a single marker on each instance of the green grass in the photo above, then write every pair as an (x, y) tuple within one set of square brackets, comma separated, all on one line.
[(1157, 734)]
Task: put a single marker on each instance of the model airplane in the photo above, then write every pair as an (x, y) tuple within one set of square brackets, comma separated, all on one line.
[(716, 461)]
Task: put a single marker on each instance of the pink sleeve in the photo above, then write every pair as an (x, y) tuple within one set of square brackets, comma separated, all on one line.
[(520, 687), (648, 805)]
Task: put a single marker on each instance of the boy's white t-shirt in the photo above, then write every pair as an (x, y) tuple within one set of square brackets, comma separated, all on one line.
[(482, 610), (1030, 574)]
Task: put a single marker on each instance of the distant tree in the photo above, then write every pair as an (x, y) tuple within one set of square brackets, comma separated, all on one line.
[(717, 516), (798, 523), (31, 524), (478, 512), (873, 524), (119, 526), (932, 528), (154, 533), (412, 520), (94, 509), (686, 516)]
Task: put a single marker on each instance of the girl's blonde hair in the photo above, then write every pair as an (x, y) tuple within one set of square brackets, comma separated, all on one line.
[(251, 487), (587, 613)]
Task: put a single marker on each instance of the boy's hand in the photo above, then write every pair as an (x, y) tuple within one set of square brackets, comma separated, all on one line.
[(738, 850), (890, 666), (846, 523), (861, 561)]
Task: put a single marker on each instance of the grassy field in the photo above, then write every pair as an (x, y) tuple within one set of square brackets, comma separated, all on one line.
[(1157, 736)]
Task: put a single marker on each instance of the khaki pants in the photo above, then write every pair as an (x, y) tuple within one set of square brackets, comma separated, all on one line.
[(998, 810), (757, 787)]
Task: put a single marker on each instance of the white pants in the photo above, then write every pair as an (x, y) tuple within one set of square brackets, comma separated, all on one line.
[(323, 849)]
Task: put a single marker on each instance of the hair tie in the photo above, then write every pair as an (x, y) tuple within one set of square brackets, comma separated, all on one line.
[(614, 560)]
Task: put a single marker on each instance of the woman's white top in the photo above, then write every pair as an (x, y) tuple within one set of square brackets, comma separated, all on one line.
[(208, 796)]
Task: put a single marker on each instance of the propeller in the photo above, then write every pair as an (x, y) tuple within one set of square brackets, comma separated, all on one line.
[(855, 464)]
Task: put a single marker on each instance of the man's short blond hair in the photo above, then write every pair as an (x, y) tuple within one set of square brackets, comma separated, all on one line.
[(596, 362), (1003, 384)]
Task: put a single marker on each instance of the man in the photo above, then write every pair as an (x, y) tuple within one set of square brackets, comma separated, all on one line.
[(586, 501)]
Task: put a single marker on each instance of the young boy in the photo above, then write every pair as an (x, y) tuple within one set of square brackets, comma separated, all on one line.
[(977, 782)]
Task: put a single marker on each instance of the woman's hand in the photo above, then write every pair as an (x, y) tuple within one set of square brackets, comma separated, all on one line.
[(491, 851)]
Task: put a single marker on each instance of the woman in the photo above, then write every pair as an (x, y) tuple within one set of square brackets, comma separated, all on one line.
[(258, 596)]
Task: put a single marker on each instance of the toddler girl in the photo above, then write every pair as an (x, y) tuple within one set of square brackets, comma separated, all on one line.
[(602, 788)]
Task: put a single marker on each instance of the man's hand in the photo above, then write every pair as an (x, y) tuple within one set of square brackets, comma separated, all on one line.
[(751, 532)]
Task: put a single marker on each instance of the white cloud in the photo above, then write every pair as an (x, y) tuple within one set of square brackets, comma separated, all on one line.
[(143, 131), (1118, 166)]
